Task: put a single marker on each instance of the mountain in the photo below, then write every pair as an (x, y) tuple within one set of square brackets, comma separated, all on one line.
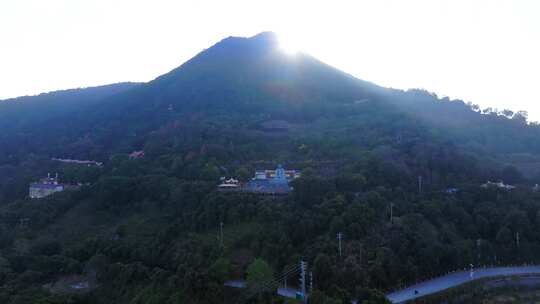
[(226, 95), (257, 64), (238, 76), (35, 109), (29, 118), (143, 230), (236, 72), (253, 76)]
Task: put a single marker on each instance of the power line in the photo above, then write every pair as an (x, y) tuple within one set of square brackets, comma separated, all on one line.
[(292, 269), (267, 285), (273, 283)]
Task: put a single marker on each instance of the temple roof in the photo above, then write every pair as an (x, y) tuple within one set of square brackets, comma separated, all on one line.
[(45, 186)]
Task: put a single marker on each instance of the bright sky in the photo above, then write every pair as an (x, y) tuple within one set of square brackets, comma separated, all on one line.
[(484, 51)]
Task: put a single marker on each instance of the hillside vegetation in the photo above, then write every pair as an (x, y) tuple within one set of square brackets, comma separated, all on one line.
[(146, 230)]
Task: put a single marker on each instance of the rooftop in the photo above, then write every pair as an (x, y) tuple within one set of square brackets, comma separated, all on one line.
[(44, 186), (267, 187)]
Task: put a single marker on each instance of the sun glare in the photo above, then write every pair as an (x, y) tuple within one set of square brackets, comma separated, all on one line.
[(289, 44)]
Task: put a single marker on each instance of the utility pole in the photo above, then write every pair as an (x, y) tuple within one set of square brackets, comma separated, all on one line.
[(478, 243), (420, 184), (303, 268), (221, 233), (361, 249), (284, 279), (391, 213), (339, 237), (310, 282)]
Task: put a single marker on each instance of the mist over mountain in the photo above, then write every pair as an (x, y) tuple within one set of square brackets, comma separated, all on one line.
[(142, 229)]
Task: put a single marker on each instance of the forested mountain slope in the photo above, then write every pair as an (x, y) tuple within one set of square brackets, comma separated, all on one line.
[(241, 82), (29, 119), (32, 110), (144, 230)]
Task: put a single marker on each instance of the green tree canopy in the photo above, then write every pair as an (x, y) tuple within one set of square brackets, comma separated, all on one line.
[(258, 272)]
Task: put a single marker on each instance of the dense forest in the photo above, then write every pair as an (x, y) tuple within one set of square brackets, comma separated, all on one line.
[(397, 173)]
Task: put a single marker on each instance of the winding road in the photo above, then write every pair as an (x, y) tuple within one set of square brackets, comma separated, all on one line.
[(433, 286), (455, 279)]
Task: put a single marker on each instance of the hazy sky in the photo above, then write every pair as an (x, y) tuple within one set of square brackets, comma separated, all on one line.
[(487, 52)]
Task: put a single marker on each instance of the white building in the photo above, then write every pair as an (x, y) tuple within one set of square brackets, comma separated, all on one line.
[(499, 185), (45, 187), (229, 184)]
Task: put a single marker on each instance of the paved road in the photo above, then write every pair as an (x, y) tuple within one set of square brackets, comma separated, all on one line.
[(455, 279), (432, 286), (287, 292)]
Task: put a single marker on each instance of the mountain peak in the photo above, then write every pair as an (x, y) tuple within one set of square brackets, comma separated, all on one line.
[(266, 36), (266, 40), (223, 73)]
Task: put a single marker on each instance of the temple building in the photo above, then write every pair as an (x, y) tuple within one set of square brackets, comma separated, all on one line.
[(275, 182), (45, 187), (230, 184)]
